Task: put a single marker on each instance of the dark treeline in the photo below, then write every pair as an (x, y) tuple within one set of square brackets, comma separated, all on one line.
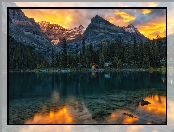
[(24, 57), (117, 54)]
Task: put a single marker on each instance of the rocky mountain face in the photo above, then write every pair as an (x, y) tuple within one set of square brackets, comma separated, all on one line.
[(131, 29), (100, 29), (28, 32), (55, 32), (27, 25)]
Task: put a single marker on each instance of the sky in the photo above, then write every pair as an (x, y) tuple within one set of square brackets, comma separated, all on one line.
[(150, 22)]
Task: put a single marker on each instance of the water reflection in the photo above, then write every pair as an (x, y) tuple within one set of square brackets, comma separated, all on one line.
[(163, 78), (55, 97), (94, 74), (26, 85), (119, 117), (129, 120), (83, 97), (157, 106), (61, 116), (107, 75)]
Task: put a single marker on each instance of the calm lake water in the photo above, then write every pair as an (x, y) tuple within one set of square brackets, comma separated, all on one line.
[(87, 98)]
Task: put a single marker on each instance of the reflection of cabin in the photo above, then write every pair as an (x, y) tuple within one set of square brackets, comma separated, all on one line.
[(163, 78), (107, 75), (94, 74)]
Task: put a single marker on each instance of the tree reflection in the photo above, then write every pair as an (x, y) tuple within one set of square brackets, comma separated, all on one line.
[(43, 84)]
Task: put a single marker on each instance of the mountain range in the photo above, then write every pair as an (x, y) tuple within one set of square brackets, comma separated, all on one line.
[(44, 35)]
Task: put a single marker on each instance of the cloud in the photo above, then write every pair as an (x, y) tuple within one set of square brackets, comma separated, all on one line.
[(125, 16), (144, 11), (66, 18), (153, 27), (155, 13), (71, 18)]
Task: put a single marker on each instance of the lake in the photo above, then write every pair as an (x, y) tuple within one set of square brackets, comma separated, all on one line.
[(87, 98)]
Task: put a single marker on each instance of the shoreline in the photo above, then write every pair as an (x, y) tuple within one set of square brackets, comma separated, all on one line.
[(163, 70)]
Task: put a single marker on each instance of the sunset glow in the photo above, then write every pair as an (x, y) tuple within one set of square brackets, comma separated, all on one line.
[(70, 19), (125, 119), (61, 116), (129, 120), (63, 18), (126, 17), (157, 106), (144, 11), (151, 30)]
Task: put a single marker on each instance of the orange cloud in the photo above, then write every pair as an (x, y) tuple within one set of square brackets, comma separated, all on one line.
[(154, 27), (111, 19), (151, 30), (125, 16), (61, 17), (144, 11)]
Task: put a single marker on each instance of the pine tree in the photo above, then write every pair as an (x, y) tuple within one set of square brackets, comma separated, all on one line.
[(83, 54), (101, 55), (91, 57), (127, 55), (58, 60), (145, 56), (77, 50), (64, 54), (83, 46), (135, 52), (52, 58)]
